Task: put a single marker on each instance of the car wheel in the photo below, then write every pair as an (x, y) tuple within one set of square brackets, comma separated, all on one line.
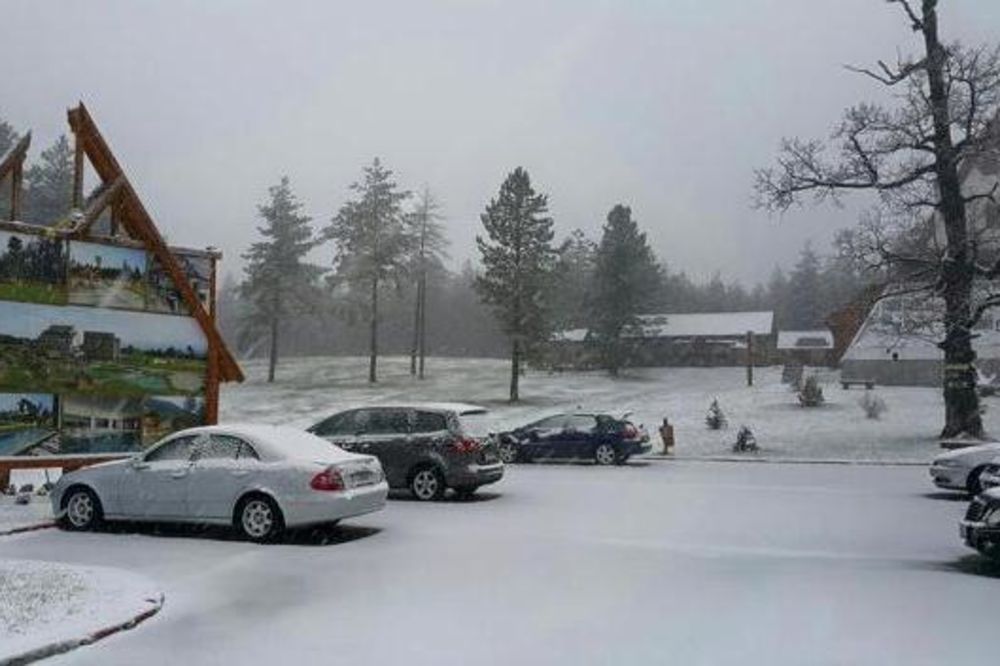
[(973, 484), (508, 452), (82, 509), (427, 483), (259, 519), (605, 454)]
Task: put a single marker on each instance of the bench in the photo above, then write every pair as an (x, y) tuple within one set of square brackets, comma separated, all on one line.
[(848, 383)]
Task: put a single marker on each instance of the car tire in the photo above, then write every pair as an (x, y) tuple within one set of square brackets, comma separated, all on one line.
[(427, 483), (82, 510), (507, 452), (258, 518), (466, 493), (972, 484), (605, 454)]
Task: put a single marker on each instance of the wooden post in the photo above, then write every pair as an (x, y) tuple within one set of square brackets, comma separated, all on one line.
[(749, 358), (212, 387), (77, 171), (15, 192)]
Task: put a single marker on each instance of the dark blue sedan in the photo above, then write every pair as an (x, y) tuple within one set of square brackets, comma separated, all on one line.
[(599, 437)]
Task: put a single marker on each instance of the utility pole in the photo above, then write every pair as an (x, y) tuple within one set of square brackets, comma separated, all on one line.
[(749, 358)]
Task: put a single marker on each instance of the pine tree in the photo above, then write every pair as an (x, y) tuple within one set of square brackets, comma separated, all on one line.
[(626, 278), (49, 185), (517, 257), (8, 137), (429, 245), (805, 307), (278, 281), (572, 280), (374, 243)]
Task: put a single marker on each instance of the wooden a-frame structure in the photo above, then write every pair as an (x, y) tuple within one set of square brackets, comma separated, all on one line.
[(131, 225)]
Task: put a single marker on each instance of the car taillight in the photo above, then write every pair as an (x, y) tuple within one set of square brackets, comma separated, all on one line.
[(328, 479), (629, 431), (466, 445)]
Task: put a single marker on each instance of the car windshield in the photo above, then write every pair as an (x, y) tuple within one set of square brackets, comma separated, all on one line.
[(477, 424)]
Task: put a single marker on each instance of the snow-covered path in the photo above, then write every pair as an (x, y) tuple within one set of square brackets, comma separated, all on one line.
[(664, 562)]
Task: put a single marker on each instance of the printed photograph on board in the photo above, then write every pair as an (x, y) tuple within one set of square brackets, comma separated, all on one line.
[(92, 424), (165, 297), (32, 268), (107, 276), (48, 349), (27, 420), (166, 414)]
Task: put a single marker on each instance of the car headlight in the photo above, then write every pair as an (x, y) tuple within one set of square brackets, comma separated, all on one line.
[(992, 519)]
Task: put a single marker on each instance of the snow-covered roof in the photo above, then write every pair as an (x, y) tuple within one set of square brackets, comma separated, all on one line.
[(906, 328), (703, 324), (572, 335), (818, 339)]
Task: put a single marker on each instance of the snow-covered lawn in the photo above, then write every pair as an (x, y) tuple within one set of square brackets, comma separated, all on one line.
[(309, 388), (43, 603)]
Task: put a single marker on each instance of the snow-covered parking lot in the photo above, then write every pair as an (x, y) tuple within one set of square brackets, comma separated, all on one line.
[(654, 563)]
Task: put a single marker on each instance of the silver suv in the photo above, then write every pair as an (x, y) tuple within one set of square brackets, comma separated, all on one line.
[(427, 448)]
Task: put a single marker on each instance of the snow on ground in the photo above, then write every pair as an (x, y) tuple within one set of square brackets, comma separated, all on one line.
[(42, 603), (664, 562), (17, 516), (310, 388)]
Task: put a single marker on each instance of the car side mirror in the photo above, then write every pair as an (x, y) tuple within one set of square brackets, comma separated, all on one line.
[(139, 463)]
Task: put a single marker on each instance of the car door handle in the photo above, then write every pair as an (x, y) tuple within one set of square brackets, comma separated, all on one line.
[(179, 474), (240, 472)]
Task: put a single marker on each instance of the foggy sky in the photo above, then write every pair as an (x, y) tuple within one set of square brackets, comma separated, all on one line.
[(664, 105)]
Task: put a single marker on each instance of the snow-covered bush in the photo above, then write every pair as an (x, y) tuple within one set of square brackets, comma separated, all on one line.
[(872, 405), (811, 394), (715, 419), (745, 441)]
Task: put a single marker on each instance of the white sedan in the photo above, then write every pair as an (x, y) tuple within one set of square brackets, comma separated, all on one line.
[(260, 479), (961, 469)]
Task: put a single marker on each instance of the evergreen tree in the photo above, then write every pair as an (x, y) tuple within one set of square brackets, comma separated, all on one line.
[(572, 280), (805, 309), (626, 278), (429, 245), (49, 185), (517, 259), (278, 281), (373, 244)]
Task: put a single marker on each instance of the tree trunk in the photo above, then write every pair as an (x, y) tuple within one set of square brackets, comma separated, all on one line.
[(962, 415), (273, 353), (373, 340), (423, 324), (414, 346), (515, 368)]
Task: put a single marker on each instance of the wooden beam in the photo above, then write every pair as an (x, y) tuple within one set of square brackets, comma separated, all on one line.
[(77, 171), (15, 155), (13, 164), (106, 197)]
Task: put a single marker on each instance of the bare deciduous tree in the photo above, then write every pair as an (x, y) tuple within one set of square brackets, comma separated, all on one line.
[(915, 156)]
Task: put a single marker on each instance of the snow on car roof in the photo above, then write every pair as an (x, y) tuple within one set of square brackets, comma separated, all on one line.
[(817, 339), (280, 441)]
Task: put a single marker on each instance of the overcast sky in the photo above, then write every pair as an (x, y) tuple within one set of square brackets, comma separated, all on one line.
[(664, 105)]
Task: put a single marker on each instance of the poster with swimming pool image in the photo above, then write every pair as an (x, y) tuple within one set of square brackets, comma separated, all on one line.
[(27, 420), (99, 351)]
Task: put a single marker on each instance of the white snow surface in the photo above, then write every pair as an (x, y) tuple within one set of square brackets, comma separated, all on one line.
[(308, 389), (730, 324), (42, 603), (664, 562), (17, 516)]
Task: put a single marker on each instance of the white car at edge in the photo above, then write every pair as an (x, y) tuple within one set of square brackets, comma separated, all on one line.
[(960, 469), (259, 479)]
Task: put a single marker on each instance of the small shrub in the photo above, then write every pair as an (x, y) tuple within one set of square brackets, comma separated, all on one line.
[(872, 405), (715, 419), (811, 393), (745, 441)]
